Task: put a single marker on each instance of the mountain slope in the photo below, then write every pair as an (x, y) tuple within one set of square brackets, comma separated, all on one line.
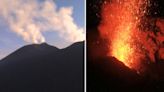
[(107, 74), (43, 68)]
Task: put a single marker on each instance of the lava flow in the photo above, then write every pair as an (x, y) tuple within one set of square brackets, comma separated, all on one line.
[(124, 25)]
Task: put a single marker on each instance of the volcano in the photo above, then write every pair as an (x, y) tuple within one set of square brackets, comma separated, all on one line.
[(108, 74), (125, 46), (43, 68)]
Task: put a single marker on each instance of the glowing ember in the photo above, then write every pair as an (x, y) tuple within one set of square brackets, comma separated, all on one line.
[(120, 19)]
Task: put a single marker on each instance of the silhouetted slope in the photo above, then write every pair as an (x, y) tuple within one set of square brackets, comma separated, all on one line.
[(110, 75), (43, 68), (34, 50), (107, 74)]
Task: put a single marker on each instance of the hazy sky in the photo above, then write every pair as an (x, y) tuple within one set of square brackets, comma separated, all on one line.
[(58, 22)]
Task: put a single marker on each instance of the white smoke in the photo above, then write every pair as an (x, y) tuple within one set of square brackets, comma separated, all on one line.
[(30, 18)]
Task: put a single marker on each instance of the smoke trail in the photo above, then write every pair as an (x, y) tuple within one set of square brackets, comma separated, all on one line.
[(30, 18)]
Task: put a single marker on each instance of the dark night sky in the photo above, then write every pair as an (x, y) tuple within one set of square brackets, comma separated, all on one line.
[(94, 7)]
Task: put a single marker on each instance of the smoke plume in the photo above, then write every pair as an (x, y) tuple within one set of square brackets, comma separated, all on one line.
[(31, 18)]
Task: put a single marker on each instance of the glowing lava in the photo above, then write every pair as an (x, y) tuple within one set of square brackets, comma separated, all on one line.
[(120, 19), (121, 48)]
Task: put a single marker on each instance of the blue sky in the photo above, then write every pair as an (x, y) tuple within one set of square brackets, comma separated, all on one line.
[(10, 41)]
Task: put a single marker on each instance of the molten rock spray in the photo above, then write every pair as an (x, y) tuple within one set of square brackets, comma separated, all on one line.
[(131, 38)]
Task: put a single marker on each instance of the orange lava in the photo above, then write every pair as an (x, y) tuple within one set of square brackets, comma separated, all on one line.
[(132, 37), (120, 19)]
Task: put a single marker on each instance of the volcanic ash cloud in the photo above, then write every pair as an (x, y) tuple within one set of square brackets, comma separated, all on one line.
[(31, 18)]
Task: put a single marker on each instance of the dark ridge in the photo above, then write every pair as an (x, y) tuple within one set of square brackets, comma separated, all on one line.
[(43, 68), (42, 45), (31, 50), (75, 45)]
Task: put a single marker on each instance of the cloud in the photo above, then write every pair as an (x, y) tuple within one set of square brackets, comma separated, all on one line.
[(31, 18)]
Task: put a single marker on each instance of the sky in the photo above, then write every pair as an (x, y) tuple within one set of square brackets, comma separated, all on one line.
[(56, 22)]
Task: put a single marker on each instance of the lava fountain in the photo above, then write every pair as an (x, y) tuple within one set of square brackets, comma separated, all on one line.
[(119, 25)]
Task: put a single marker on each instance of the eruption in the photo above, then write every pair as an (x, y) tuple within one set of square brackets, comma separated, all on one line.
[(132, 36), (31, 18)]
